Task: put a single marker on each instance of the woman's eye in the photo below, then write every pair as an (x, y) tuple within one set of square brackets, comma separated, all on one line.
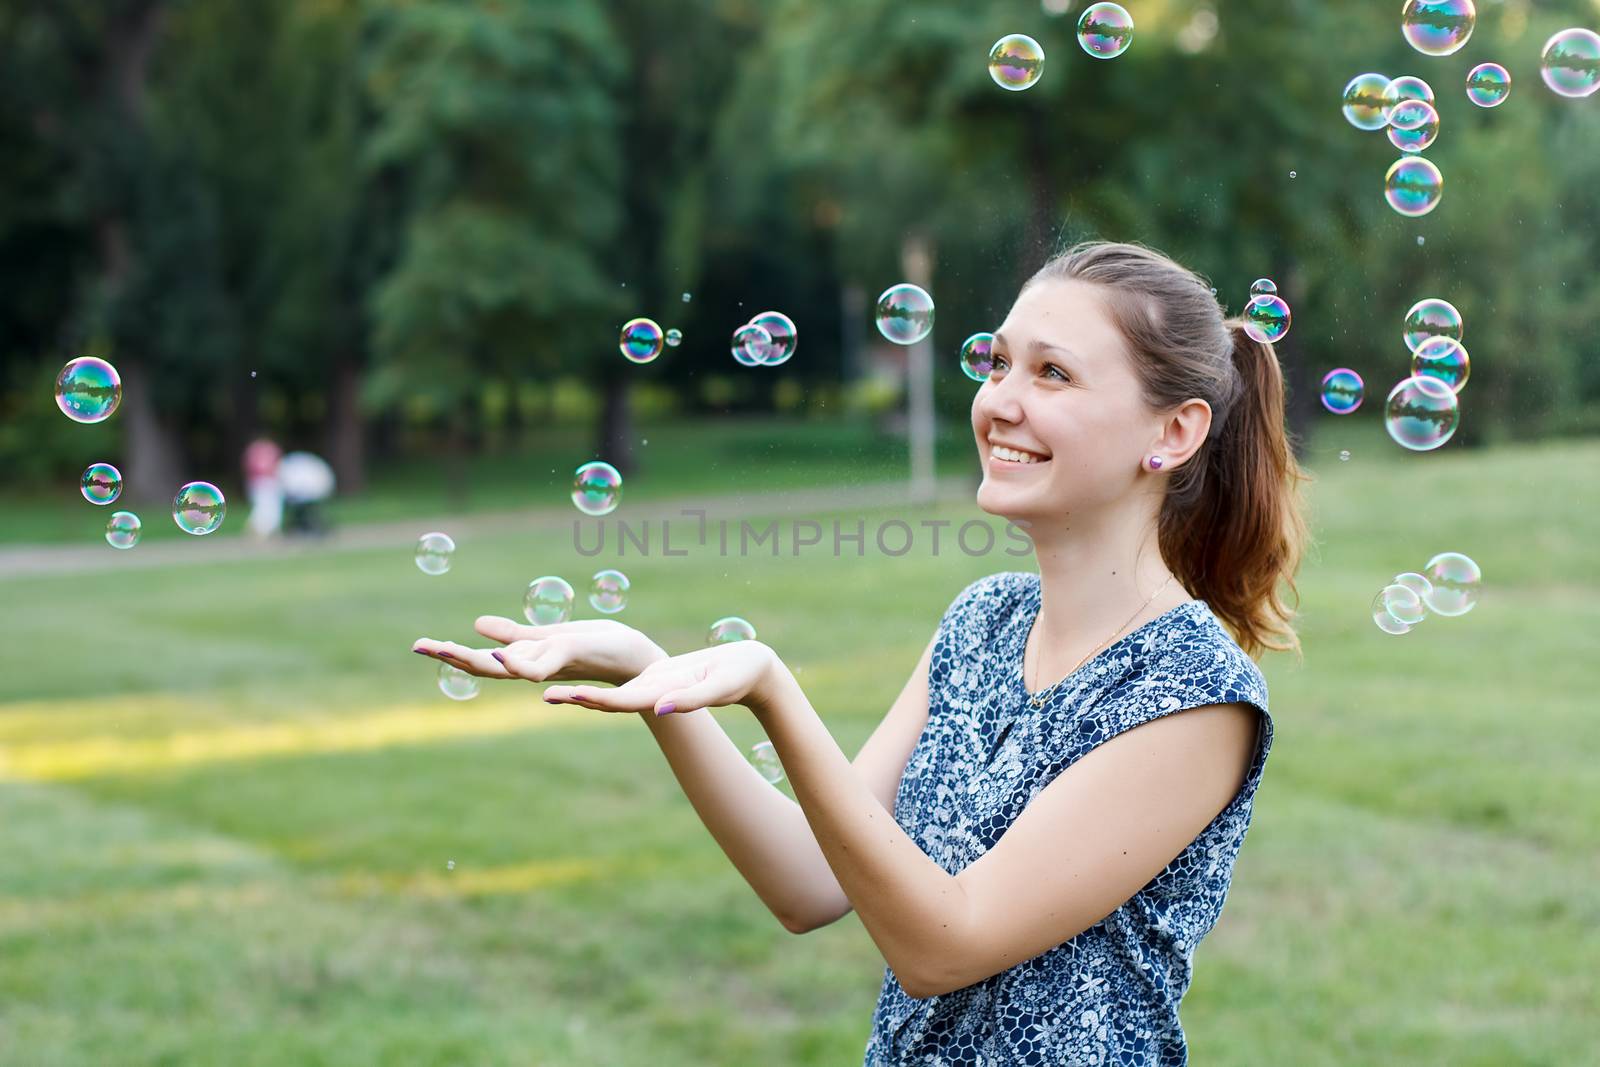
[(1058, 371)]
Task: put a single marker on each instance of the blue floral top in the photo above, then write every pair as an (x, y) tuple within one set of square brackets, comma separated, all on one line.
[(1109, 995)]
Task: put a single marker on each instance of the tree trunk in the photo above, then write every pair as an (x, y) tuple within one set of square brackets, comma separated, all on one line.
[(615, 440), (154, 468), (345, 433)]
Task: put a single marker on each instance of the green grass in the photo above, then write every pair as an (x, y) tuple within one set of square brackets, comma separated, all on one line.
[(229, 795)]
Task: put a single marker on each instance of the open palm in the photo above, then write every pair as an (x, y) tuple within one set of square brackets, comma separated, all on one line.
[(705, 678)]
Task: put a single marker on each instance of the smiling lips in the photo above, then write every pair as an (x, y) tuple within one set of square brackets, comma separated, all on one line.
[(1015, 455)]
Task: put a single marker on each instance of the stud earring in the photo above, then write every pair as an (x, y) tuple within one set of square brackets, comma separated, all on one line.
[(1155, 463)]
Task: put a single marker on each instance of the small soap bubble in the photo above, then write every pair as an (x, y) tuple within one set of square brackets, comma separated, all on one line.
[(1416, 583), (1384, 620), (435, 552), (1056, 7), (751, 345), (765, 759), (1403, 603), (976, 358), (1410, 114), (122, 529), (1455, 579), (1342, 390), (674, 338), (597, 488), (198, 508), (608, 591), (1413, 185), (1405, 87), (904, 313), (1443, 358), (784, 337), (1105, 30), (450, 865), (548, 601), (1016, 61), (456, 683), (1262, 287), (1363, 102), (1570, 62), (252, 374), (1266, 319), (88, 389), (1488, 84), (1344, 455), (101, 483), (730, 629), (687, 297), (1438, 27), (1418, 137), (1431, 317), (1421, 413), (1292, 174), (1421, 240), (641, 340)]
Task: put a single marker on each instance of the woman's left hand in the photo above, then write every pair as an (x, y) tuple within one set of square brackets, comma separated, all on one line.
[(735, 673)]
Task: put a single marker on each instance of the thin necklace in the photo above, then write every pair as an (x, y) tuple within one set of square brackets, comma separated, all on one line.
[(1038, 699)]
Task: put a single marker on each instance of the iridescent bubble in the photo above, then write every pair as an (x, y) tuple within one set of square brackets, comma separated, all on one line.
[(547, 601), (765, 759), (122, 529), (1570, 63), (1455, 581), (730, 629), (435, 552), (1363, 102), (1417, 137), (1431, 317), (905, 313), (88, 389), (597, 488), (1416, 583), (1488, 84), (751, 345), (1344, 455), (1413, 185), (976, 358), (1016, 61), (1402, 602), (1383, 617), (608, 591), (198, 508), (1443, 358), (101, 483), (1105, 30), (1438, 27), (641, 340), (784, 337), (674, 338), (687, 297), (1409, 114), (1263, 287), (456, 683), (1342, 390), (1421, 413), (1405, 87), (1266, 319)]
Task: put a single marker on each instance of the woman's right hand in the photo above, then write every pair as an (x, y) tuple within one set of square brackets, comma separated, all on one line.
[(597, 650)]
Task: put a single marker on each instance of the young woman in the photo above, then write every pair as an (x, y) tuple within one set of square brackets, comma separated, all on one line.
[(1045, 824)]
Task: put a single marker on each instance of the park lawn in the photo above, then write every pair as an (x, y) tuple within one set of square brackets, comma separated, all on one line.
[(229, 799)]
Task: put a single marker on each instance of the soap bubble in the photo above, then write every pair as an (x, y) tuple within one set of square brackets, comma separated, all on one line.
[(752, 344), (1405, 87), (1266, 319), (547, 601), (101, 483), (1105, 30), (1416, 583), (782, 333), (1431, 317), (1056, 7), (765, 759), (1016, 61), (674, 338), (1263, 287), (1363, 102), (122, 529), (1455, 581), (905, 313), (1421, 413), (1443, 358), (1403, 603), (1342, 390), (1344, 455), (456, 683), (597, 488), (434, 552), (976, 356), (1393, 595), (608, 591), (730, 629), (1438, 27), (641, 340), (1413, 185), (1488, 84), (687, 297), (1570, 63), (88, 389), (198, 508), (1414, 138)]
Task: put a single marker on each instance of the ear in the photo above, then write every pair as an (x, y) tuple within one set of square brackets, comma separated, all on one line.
[(1182, 433)]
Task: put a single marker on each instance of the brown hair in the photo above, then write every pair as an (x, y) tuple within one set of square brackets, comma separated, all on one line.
[(1231, 526)]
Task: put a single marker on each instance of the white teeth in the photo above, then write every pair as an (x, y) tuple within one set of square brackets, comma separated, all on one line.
[(1011, 454)]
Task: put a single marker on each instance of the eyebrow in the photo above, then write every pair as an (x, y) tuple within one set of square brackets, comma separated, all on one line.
[(1038, 345)]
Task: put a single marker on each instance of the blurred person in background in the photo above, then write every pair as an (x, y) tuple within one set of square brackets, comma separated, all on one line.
[(307, 482), (261, 459)]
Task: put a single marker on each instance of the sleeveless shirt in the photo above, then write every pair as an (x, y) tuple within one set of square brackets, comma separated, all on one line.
[(1110, 994)]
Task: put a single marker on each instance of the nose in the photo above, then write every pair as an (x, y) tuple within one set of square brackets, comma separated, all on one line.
[(998, 401)]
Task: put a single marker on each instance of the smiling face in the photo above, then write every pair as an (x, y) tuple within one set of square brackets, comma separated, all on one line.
[(1062, 391)]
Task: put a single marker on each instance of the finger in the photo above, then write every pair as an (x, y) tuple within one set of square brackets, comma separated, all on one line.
[(472, 660), (535, 668), (628, 697), (499, 628), (706, 694)]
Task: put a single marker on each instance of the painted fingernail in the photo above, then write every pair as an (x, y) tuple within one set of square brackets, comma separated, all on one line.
[(499, 658), (445, 654), (665, 708), (422, 652)]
